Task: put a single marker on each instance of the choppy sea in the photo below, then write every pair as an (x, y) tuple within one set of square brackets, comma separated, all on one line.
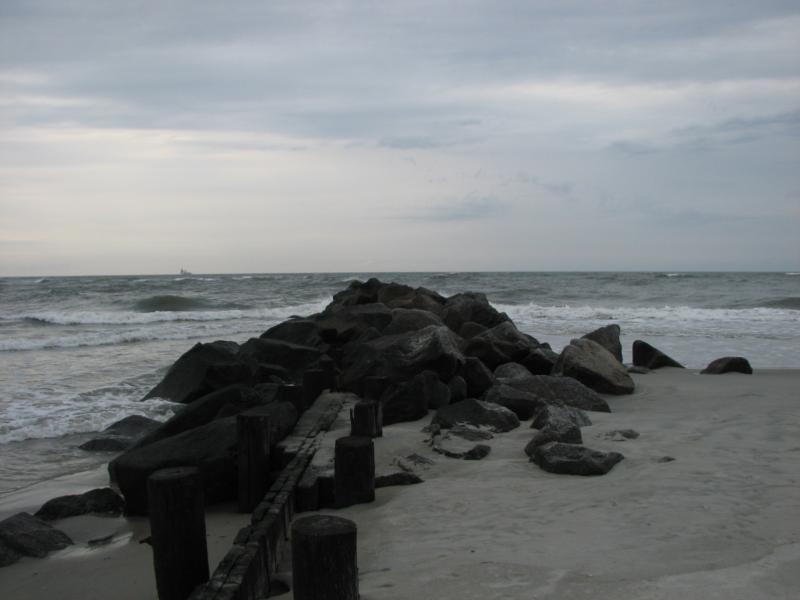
[(78, 353)]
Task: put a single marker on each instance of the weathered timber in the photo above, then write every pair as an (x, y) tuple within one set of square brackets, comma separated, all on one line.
[(324, 564), (354, 471), (313, 384), (253, 443), (364, 419)]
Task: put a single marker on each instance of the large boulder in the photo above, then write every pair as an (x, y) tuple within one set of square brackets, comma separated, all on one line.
[(553, 390), (411, 400), (400, 357), (411, 319), (345, 323), (645, 355), (729, 364), (25, 535), (478, 377), (201, 370), (501, 344), (293, 359), (594, 366), (122, 434), (571, 459), (608, 338), (475, 412), (394, 295), (101, 501), (211, 448), (551, 414), (303, 332), (523, 404), (470, 306), (557, 424), (540, 361)]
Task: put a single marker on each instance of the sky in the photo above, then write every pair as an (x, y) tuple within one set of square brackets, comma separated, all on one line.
[(253, 136)]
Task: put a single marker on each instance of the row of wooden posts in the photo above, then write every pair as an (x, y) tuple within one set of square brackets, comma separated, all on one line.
[(323, 547)]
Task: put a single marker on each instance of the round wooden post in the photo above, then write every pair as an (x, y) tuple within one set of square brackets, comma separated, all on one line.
[(354, 471), (290, 392), (253, 441), (313, 384), (329, 367), (364, 419), (374, 387), (324, 565), (178, 530)]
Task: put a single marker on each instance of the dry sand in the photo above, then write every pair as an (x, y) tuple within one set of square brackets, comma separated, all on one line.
[(720, 521)]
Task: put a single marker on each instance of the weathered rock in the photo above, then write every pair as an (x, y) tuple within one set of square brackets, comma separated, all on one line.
[(638, 370), (470, 433), (211, 447), (398, 478), (458, 389), (558, 391), (608, 338), (405, 320), (545, 436), (303, 332), (512, 370), (501, 344), (551, 413), (478, 377), (394, 295), (447, 447), (8, 556), (620, 435), (121, 435), (101, 501), (25, 535), (294, 358), (201, 370), (480, 414), (570, 459), (400, 357), (559, 424), (411, 400), (470, 306), (729, 364), (522, 403), (226, 402), (594, 366), (346, 323), (645, 355), (470, 329)]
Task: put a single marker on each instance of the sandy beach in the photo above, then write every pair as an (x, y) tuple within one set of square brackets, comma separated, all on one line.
[(718, 521)]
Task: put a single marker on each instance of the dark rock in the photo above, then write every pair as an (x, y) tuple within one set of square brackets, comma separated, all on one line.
[(211, 448), (501, 344), (470, 433), (638, 370), (545, 436), (226, 402), (102, 501), (729, 364), (540, 361), (201, 370), (107, 444), (295, 358), (620, 435), (552, 414), (26, 535), (478, 377), (394, 295), (478, 452), (470, 306), (347, 323), (400, 357), (470, 329), (121, 435), (474, 412), (512, 370), (411, 400), (8, 556), (665, 459), (358, 292), (559, 424), (645, 355), (405, 320), (570, 459), (522, 403), (303, 332), (593, 366), (399, 478), (458, 389), (608, 338), (556, 390)]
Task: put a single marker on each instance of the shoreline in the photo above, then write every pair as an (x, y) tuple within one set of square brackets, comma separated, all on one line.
[(717, 520)]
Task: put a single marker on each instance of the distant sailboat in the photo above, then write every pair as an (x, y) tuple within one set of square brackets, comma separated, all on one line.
[(184, 271)]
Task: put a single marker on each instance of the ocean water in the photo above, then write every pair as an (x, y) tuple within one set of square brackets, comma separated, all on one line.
[(78, 353)]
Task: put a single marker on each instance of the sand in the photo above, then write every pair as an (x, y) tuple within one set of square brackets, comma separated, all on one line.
[(722, 520)]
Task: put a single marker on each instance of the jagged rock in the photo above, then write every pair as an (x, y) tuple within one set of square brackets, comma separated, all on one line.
[(201, 370), (8, 556), (608, 338), (594, 366), (559, 424), (729, 364), (303, 332), (121, 435), (400, 357), (470, 306), (405, 320), (101, 501), (294, 358), (346, 323), (570, 459), (551, 413), (501, 344), (645, 355), (557, 390), (512, 370), (458, 389), (480, 414), (399, 478), (470, 329), (25, 535), (210, 447), (411, 400), (522, 403), (470, 433), (394, 295), (540, 361), (478, 377), (226, 402)]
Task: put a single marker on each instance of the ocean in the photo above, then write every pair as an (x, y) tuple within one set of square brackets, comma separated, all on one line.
[(78, 353)]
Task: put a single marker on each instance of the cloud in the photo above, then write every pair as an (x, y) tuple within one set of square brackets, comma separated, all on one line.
[(466, 209)]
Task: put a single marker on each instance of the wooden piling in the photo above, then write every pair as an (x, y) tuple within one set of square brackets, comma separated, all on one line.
[(290, 392), (253, 443), (324, 562), (364, 419), (374, 387), (313, 384), (354, 471), (327, 364), (178, 530)]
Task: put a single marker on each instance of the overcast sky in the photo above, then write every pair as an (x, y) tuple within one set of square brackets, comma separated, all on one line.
[(141, 137)]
